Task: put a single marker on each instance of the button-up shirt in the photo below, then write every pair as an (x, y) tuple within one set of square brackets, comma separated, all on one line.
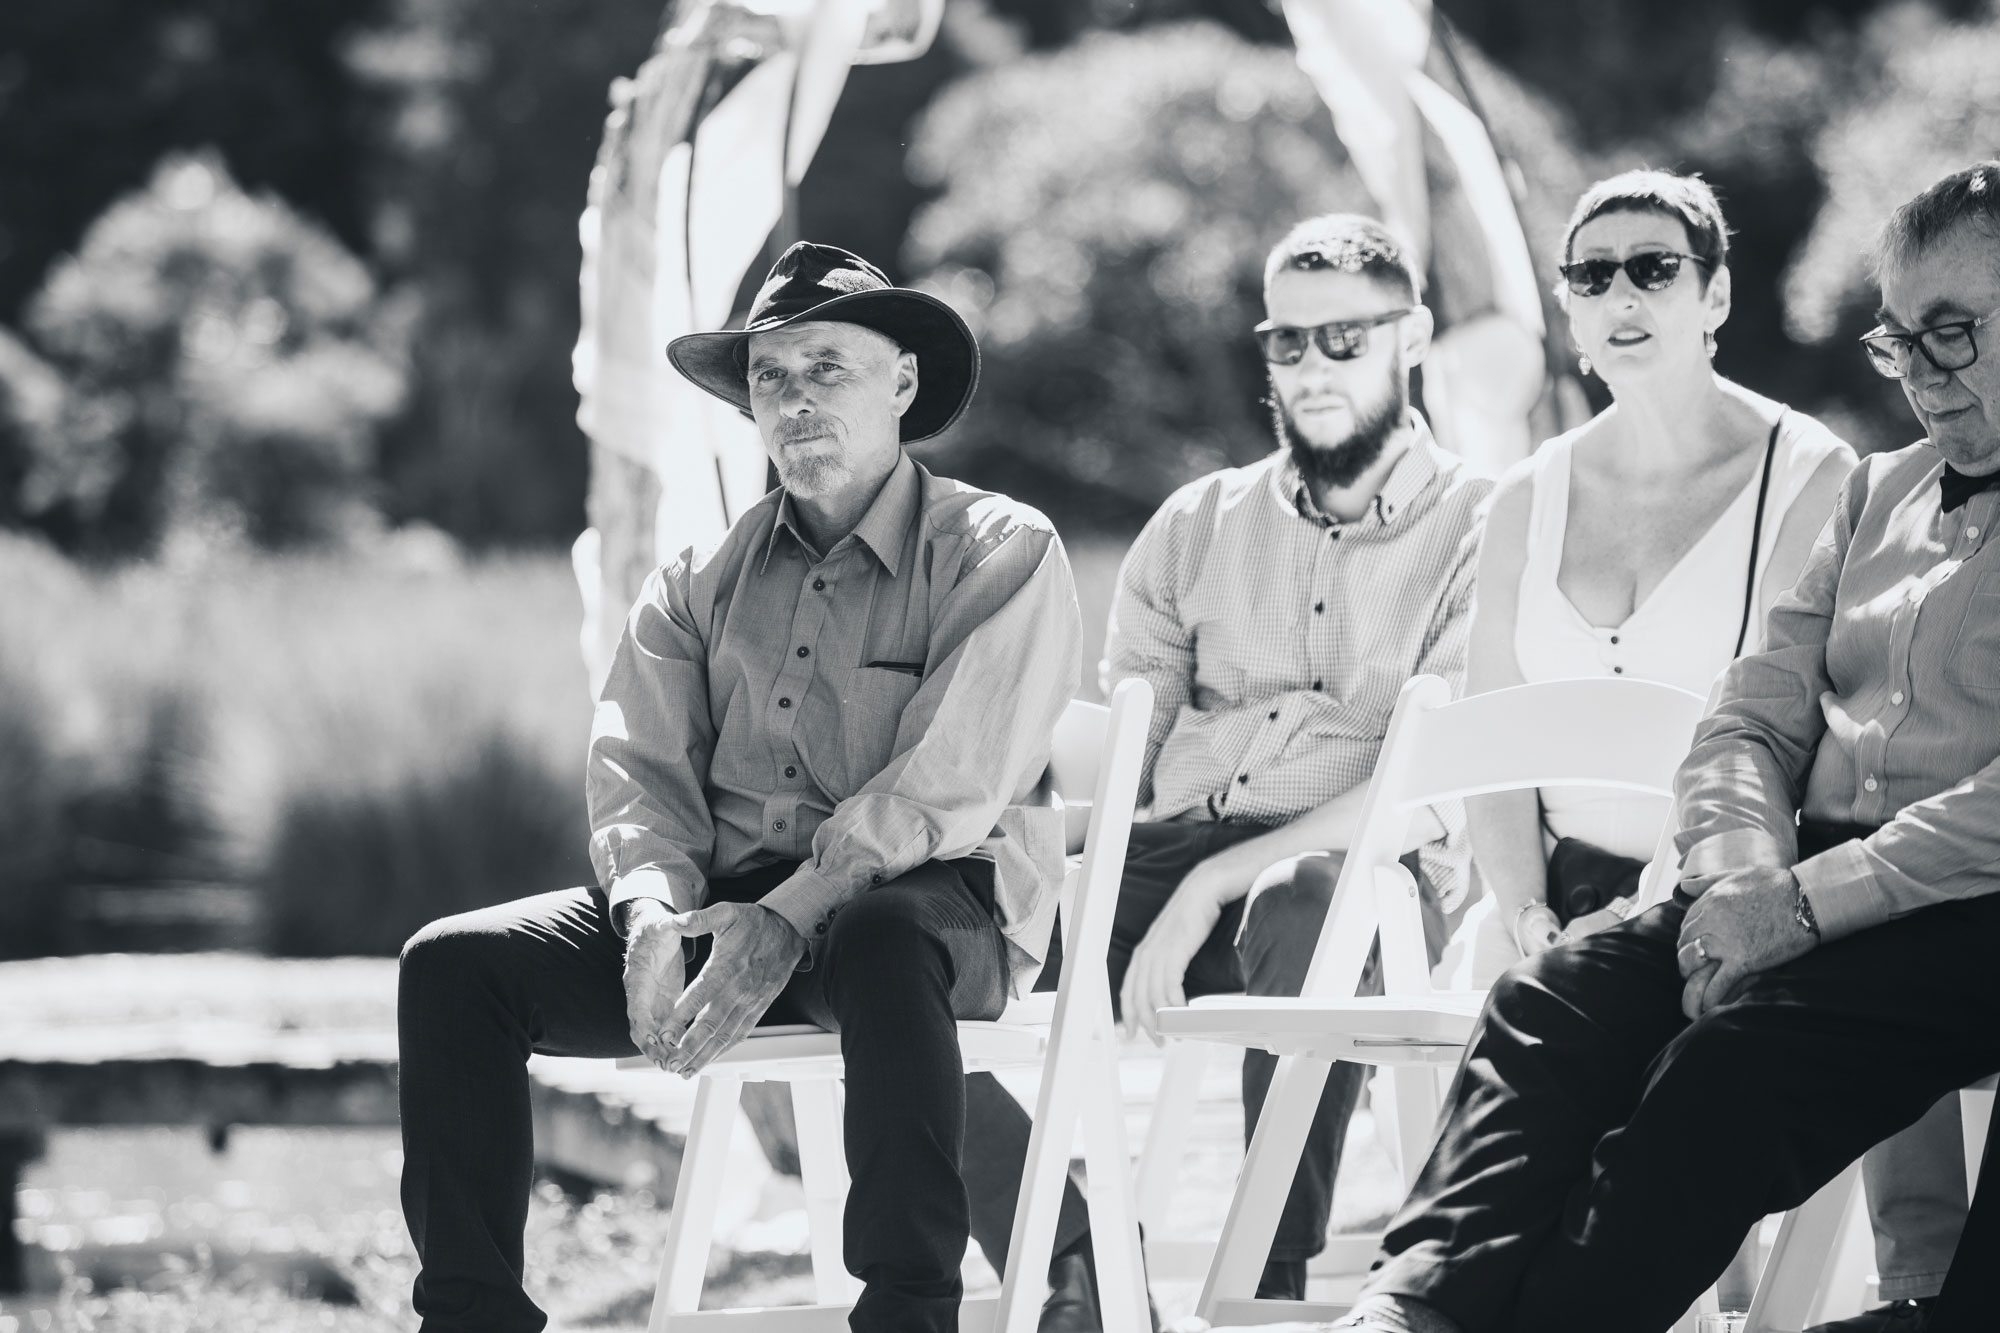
[(1277, 638), (1877, 702), (862, 710)]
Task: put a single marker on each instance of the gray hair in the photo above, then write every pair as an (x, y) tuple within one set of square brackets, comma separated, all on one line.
[(1968, 196)]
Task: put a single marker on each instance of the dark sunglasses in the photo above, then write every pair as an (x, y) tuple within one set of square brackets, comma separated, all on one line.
[(1652, 271), (1948, 346), (1342, 340)]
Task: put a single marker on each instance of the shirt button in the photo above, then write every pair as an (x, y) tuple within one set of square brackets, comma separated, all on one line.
[(1319, 608), (805, 651), (1617, 671), (1315, 685), (1614, 638), (1274, 715), (1242, 777), (874, 879), (791, 770), (784, 703), (1972, 531), (778, 824), (820, 929), (1896, 698), (819, 585), (1871, 784)]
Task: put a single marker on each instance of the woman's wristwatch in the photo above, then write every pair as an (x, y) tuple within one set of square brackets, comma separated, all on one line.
[(1545, 930)]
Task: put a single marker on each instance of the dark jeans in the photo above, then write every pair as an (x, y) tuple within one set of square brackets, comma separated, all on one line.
[(1263, 946), (1603, 1157), (900, 965)]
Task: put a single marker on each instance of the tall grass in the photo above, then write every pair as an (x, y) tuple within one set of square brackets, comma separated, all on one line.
[(367, 743)]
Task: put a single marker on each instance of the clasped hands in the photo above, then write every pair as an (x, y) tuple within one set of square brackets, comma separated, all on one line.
[(681, 1027), (1743, 923)]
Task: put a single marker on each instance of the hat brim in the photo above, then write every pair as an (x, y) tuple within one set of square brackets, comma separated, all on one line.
[(947, 354)]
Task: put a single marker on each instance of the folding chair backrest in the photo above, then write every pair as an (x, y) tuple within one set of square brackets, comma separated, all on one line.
[(1076, 753), (1099, 750), (1628, 735)]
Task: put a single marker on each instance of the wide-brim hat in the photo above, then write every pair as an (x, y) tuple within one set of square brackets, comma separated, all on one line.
[(824, 282)]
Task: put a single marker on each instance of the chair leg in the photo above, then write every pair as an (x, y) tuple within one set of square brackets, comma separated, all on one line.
[(1416, 1116), (1268, 1168), (697, 1197), (817, 1109), (1032, 1243), (1799, 1260), (1169, 1130), (1114, 1229), (1975, 1114)]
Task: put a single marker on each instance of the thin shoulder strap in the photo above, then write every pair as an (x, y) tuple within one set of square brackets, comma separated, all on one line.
[(1757, 534)]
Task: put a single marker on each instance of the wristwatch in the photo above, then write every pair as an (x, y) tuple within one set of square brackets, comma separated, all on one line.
[(1802, 912)]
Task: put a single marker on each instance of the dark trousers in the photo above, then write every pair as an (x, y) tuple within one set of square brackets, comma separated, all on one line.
[(1603, 1157), (1263, 945), (901, 964)]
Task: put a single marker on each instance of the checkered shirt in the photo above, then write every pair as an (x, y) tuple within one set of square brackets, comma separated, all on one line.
[(1276, 638)]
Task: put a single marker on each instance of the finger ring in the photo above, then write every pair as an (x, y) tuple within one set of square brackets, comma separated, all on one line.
[(1701, 950)]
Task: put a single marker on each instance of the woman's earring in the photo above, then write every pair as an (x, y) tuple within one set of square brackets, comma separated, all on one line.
[(1583, 363), (1708, 342)]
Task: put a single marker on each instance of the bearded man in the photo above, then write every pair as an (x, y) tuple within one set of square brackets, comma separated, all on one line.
[(1277, 610)]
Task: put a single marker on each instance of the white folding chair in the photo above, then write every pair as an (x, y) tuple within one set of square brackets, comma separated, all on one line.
[(1623, 734), (1069, 1036), (1798, 1281)]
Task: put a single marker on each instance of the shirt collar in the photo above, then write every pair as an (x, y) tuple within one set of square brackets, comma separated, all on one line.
[(1413, 472), (881, 528)]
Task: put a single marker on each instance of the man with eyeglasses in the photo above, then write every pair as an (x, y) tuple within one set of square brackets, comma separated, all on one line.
[(1277, 610), (1633, 1103)]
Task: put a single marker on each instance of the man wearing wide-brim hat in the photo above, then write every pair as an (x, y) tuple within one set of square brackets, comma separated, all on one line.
[(815, 784)]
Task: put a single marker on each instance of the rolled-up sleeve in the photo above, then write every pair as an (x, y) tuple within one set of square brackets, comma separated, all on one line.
[(975, 737), (1740, 786), (651, 741)]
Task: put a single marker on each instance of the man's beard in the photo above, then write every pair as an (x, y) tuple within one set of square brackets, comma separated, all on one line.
[(811, 473), (1334, 467)]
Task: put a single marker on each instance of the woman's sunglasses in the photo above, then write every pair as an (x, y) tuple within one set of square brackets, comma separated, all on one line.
[(1342, 340), (1651, 271)]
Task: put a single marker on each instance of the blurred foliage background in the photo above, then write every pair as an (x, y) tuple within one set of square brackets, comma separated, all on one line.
[(288, 291)]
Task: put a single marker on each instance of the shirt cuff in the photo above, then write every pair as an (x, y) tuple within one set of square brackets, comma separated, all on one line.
[(1735, 849), (645, 882), (807, 902), (1842, 891)]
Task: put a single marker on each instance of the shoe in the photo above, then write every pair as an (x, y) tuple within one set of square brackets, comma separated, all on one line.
[(1895, 1317), (1282, 1280), (1072, 1304)]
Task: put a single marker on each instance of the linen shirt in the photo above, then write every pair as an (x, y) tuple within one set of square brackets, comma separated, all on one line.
[(1276, 638), (1876, 701), (862, 710)]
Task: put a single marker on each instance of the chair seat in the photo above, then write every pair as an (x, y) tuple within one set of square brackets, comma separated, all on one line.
[(786, 1051), (1378, 1030)]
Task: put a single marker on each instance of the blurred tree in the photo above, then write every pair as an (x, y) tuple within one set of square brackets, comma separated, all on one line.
[(227, 364), (493, 114), (1104, 214), (93, 92), (1930, 108)]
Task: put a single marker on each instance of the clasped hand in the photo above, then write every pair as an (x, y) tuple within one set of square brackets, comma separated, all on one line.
[(682, 1029), (1744, 923)]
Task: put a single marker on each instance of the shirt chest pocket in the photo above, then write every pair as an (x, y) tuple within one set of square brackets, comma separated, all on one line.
[(1974, 660), (872, 700)]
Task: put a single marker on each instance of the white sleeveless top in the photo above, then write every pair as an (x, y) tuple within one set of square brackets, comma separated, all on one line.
[(1684, 633)]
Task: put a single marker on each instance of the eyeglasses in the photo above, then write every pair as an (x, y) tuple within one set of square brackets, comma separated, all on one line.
[(1948, 346), (1650, 271), (1342, 340)]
